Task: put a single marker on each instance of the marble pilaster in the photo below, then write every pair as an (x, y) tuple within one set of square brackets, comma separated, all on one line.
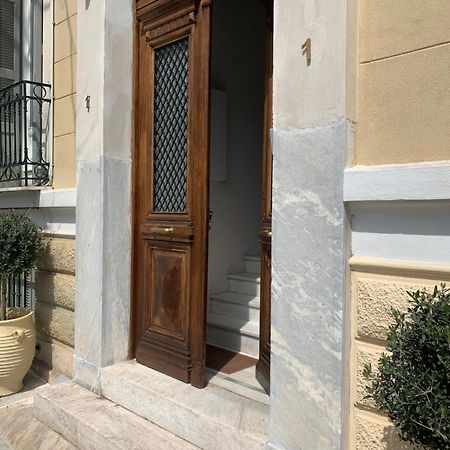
[(308, 287)]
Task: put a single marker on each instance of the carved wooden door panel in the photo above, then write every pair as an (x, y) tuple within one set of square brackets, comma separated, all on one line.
[(171, 186), (263, 365)]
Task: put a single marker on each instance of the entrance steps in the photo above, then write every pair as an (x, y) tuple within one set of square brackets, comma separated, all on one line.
[(91, 422), (145, 409), (233, 316), (20, 430)]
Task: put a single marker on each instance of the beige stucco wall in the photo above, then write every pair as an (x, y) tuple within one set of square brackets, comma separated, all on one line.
[(54, 309), (372, 296), (403, 88), (64, 92)]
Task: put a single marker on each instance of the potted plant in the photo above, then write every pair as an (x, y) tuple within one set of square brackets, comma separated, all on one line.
[(20, 247), (412, 382)]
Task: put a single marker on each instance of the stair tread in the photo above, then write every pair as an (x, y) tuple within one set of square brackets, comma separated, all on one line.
[(239, 299), (103, 420), (252, 258), (237, 325), (245, 276), (207, 417), (20, 429)]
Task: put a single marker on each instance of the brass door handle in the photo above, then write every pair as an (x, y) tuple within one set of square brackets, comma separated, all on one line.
[(162, 230), (267, 233)]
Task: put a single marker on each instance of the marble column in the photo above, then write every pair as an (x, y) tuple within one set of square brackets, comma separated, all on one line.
[(104, 139), (311, 137), (308, 288)]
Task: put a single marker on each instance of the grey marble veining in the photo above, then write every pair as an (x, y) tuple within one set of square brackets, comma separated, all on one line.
[(308, 288), (103, 267), (211, 418)]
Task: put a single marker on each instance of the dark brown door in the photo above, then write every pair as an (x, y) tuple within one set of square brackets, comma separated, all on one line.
[(171, 186), (263, 365)]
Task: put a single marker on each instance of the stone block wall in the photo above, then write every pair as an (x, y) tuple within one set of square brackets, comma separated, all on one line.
[(373, 292), (403, 94), (54, 307), (64, 92)]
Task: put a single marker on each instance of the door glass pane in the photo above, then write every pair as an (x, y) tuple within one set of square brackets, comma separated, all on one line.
[(170, 127)]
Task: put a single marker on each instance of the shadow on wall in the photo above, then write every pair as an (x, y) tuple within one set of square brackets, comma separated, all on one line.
[(54, 308), (391, 440)]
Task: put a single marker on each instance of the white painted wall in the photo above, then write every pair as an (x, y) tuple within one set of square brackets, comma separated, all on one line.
[(238, 51), (400, 211), (52, 210), (411, 231)]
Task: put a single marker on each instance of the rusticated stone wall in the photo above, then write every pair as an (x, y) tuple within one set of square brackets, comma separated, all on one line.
[(54, 309), (373, 295), (64, 92)]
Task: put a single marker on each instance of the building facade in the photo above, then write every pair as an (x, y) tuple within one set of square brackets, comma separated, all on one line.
[(170, 124)]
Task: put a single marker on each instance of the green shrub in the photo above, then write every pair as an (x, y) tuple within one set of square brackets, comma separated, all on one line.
[(412, 383), (20, 247)]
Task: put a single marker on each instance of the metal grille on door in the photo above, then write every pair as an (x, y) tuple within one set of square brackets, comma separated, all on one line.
[(170, 127)]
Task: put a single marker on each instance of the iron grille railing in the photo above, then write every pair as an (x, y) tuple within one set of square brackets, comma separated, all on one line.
[(24, 120), (19, 291)]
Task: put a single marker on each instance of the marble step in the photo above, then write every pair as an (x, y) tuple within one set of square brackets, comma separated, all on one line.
[(232, 304), (252, 264), (20, 430), (244, 283), (233, 334), (211, 418), (91, 422), (243, 383)]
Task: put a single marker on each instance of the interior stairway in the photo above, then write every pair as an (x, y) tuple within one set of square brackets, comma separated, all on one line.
[(233, 316)]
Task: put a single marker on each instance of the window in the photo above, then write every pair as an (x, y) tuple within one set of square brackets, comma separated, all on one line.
[(24, 100), (9, 42)]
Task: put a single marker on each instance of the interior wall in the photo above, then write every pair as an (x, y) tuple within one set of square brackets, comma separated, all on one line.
[(238, 53)]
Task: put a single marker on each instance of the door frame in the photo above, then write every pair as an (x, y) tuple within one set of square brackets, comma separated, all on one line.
[(160, 22), (197, 374)]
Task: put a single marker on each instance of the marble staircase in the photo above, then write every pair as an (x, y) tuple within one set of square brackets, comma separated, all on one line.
[(20, 430), (88, 421), (233, 316), (145, 409)]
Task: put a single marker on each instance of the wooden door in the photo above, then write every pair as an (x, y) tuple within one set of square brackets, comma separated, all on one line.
[(263, 365), (171, 164)]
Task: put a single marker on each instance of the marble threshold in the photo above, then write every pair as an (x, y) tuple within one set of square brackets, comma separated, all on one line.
[(209, 418)]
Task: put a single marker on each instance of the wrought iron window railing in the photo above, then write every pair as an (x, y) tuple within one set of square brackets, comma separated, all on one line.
[(24, 122)]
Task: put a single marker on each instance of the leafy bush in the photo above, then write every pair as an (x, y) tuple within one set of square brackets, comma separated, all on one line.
[(20, 243), (20, 247), (412, 383)]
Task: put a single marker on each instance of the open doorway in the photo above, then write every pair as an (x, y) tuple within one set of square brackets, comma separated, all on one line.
[(238, 92)]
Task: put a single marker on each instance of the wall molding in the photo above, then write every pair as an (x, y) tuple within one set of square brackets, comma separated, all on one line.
[(23, 198), (414, 269), (422, 181)]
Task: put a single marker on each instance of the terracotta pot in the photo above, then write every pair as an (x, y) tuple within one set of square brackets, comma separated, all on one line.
[(17, 348)]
